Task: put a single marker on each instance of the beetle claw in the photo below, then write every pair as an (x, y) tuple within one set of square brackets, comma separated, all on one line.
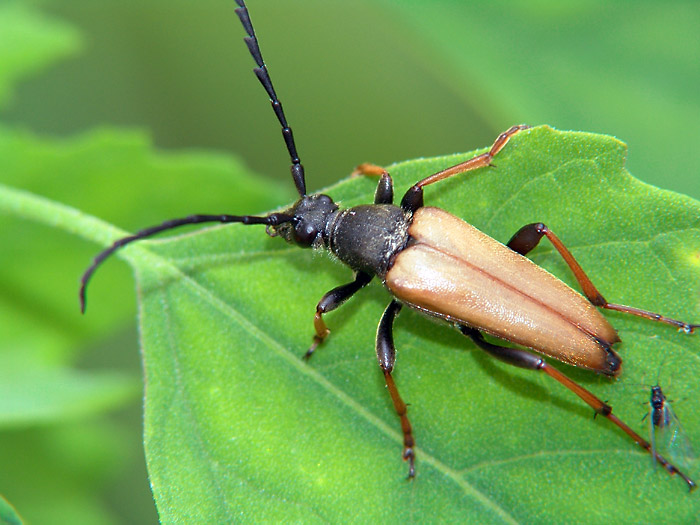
[(409, 456)]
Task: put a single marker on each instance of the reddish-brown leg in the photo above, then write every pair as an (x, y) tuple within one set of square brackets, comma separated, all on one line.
[(369, 169), (413, 199), (330, 302), (479, 161), (386, 354), (529, 361), (529, 236)]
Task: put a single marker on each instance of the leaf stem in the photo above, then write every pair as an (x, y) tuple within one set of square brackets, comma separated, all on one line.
[(30, 206)]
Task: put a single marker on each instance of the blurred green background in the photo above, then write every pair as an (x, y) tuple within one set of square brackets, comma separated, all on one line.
[(360, 81), (381, 81)]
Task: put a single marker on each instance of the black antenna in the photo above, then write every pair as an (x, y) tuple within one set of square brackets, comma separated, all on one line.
[(273, 219), (264, 78)]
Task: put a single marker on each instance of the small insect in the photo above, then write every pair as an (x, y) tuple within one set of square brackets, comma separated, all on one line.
[(665, 431), (442, 267)]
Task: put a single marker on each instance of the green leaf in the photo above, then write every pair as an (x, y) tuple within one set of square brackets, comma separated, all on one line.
[(238, 426), (29, 42), (8, 515)]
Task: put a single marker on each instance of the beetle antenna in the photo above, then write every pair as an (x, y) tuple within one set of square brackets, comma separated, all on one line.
[(273, 219), (264, 78)]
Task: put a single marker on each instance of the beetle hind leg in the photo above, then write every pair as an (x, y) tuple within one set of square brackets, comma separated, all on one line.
[(329, 302), (524, 359), (530, 235), (386, 354)]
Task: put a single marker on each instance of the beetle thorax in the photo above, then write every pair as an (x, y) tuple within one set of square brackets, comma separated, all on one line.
[(368, 237)]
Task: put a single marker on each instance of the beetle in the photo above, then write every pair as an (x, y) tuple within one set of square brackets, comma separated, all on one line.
[(437, 264)]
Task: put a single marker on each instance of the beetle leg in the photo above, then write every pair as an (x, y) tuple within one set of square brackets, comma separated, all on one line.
[(386, 354), (525, 359), (413, 199), (530, 235), (385, 188), (329, 302)]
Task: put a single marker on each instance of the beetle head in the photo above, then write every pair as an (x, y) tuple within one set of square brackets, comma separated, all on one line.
[(311, 215)]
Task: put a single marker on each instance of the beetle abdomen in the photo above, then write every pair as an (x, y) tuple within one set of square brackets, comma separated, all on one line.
[(453, 271)]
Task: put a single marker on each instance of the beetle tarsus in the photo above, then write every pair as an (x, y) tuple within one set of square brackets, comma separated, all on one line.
[(408, 455), (317, 341), (688, 328)]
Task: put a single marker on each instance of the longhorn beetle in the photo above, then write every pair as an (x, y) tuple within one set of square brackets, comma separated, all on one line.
[(437, 264)]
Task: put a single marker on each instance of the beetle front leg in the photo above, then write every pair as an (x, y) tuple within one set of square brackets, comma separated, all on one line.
[(385, 188), (527, 360), (329, 302), (386, 354), (530, 235)]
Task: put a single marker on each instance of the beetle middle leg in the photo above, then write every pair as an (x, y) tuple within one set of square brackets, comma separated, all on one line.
[(329, 302), (413, 199), (386, 354), (524, 359), (530, 235)]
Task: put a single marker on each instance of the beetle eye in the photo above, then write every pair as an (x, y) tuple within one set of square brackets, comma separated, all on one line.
[(305, 233)]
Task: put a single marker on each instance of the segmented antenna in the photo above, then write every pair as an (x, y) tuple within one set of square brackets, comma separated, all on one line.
[(273, 219), (264, 78)]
